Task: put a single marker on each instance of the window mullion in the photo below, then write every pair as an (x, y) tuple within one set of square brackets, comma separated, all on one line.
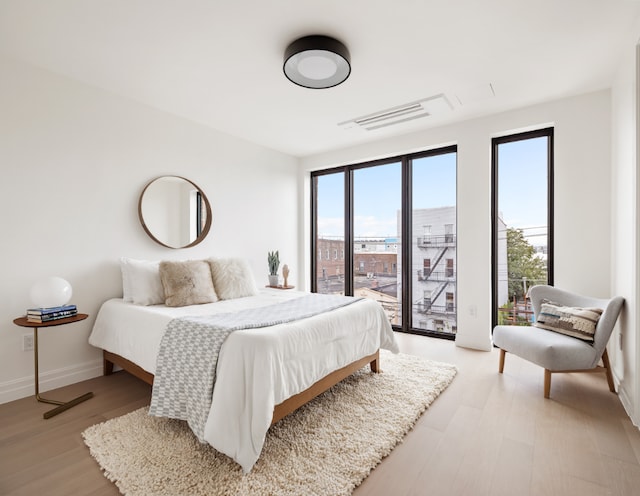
[(407, 202), (348, 234)]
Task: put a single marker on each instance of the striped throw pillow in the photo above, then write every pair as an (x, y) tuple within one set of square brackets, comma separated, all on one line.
[(573, 321)]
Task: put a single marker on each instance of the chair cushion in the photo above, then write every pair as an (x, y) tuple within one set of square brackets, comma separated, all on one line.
[(548, 349)]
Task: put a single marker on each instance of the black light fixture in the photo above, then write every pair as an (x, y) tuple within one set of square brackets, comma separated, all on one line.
[(317, 62)]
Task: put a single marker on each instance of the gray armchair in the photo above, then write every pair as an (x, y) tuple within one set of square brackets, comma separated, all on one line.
[(557, 352)]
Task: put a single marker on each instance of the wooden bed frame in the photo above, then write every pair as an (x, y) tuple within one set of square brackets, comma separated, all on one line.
[(283, 409)]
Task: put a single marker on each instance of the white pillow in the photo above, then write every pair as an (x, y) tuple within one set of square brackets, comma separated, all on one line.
[(232, 278), (141, 282)]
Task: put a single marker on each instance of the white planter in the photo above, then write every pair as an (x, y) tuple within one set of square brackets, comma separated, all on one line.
[(273, 280)]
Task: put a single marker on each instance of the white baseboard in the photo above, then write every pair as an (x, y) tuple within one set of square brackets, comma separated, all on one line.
[(24, 387), (625, 399), (627, 404)]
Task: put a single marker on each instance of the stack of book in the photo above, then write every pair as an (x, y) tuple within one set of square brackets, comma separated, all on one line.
[(54, 313)]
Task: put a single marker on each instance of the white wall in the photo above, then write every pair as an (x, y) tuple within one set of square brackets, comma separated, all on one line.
[(624, 346), (74, 160), (582, 199)]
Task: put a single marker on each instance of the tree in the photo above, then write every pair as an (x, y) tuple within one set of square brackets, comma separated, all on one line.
[(522, 262)]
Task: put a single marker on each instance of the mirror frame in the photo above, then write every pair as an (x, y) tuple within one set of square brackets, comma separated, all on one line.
[(205, 229)]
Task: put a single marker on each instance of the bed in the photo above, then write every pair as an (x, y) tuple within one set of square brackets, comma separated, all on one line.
[(263, 374)]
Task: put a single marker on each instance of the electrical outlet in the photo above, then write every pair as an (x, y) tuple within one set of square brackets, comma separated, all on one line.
[(473, 310), (27, 342)]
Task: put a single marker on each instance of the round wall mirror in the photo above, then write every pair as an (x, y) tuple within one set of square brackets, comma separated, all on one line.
[(174, 212)]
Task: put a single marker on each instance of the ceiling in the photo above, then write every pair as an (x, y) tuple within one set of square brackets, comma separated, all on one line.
[(219, 62)]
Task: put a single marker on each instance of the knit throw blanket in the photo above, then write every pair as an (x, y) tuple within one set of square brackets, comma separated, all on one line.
[(188, 357)]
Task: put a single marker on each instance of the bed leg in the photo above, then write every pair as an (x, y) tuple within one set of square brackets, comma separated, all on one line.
[(107, 366), (375, 364)]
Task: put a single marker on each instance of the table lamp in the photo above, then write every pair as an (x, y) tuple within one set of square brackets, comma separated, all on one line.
[(51, 292)]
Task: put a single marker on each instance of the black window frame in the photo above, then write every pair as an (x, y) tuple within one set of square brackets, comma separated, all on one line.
[(406, 227), (547, 132)]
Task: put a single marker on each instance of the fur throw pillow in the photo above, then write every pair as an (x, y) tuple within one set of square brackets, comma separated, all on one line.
[(187, 283), (232, 278)]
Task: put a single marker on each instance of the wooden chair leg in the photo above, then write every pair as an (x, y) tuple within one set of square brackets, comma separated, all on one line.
[(547, 382), (607, 370), (501, 365)]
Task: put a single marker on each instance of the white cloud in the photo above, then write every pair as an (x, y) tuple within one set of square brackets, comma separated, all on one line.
[(365, 226), (370, 226), (330, 227)]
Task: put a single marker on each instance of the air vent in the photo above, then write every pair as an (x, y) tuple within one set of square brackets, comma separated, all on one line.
[(402, 113)]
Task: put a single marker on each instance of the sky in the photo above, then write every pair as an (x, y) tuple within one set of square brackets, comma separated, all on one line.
[(377, 195), (522, 186), (377, 191)]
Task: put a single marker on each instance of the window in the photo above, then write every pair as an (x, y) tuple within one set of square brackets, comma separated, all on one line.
[(426, 298), (522, 248), (377, 199), (448, 233), (433, 214), (398, 227), (328, 228), (450, 303), (426, 235), (426, 268)]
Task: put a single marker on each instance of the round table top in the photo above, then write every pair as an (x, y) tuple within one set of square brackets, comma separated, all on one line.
[(23, 322)]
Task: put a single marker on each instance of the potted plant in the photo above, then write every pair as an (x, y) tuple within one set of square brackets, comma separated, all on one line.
[(273, 258)]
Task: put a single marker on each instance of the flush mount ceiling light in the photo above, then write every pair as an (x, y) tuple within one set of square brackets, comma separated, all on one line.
[(317, 62)]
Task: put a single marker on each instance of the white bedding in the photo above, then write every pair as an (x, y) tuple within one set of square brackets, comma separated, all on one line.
[(257, 368)]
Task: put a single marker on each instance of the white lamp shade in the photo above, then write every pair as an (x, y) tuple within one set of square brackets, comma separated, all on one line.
[(51, 292)]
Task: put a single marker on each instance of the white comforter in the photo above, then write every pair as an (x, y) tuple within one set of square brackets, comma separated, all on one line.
[(257, 368)]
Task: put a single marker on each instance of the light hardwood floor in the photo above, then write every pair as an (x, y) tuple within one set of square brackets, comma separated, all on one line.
[(487, 434)]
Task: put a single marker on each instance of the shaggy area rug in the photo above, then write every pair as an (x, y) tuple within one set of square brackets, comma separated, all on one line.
[(327, 447)]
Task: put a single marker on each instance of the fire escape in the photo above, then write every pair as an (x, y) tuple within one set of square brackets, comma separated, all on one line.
[(436, 273)]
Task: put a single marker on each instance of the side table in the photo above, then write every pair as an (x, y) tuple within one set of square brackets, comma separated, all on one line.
[(62, 405)]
